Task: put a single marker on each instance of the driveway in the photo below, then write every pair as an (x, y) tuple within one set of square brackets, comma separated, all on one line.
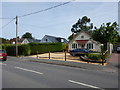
[(61, 57), (114, 60)]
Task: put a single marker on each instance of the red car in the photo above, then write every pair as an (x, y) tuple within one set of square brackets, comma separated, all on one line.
[(3, 55)]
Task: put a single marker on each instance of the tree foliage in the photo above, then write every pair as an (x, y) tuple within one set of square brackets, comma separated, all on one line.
[(82, 24), (4, 41), (27, 35), (106, 33)]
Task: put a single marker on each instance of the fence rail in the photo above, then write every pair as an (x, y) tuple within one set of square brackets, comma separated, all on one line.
[(66, 57), (58, 55)]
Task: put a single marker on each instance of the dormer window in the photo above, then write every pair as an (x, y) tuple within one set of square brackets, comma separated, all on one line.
[(82, 36)]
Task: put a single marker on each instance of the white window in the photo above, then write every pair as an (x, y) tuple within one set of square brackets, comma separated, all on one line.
[(74, 45), (90, 46)]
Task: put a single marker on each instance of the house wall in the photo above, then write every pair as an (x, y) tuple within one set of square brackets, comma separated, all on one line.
[(25, 41), (79, 37), (98, 47), (44, 40), (110, 48)]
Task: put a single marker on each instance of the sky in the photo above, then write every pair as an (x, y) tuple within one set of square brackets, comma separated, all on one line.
[(56, 22)]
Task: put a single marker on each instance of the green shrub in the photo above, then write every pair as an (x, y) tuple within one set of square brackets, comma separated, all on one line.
[(4, 46), (23, 49), (32, 48), (46, 47), (11, 50), (95, 56)]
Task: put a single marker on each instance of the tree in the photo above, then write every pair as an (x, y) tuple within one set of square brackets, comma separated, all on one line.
[(118, 40), (4, 41), (27, 35), (106, 33), (82, 24)]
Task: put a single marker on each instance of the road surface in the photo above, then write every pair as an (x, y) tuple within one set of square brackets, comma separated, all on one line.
[(24, 74)]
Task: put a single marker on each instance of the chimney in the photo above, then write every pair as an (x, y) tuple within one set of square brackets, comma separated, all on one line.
[(73, 35)]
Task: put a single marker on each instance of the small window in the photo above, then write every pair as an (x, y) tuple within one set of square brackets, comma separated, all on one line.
[(82, 36)]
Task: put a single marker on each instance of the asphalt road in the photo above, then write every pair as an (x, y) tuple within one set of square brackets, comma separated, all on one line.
[(23, 74)]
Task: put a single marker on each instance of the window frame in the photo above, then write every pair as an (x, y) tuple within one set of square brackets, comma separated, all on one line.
[(74, 45), (89, 45)]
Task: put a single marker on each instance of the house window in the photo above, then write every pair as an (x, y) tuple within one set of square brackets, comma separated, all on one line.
[(82, 36), (90, 46), (74, 45)]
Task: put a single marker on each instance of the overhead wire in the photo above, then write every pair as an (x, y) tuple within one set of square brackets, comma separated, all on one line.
[(7, 24), (6, 18), (46, 9)]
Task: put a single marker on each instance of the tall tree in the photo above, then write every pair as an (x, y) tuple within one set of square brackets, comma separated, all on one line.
[(27, 35), (82, 24), (106, 33)]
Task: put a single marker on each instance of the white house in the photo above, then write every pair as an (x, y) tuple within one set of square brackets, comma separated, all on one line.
[(83, 40), (29, 40)]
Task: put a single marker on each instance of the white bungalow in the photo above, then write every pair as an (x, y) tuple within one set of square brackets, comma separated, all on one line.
[(83, 40)]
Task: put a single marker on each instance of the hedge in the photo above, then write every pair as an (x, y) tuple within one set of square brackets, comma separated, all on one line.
[(46, 47), (23, 49), (33, 48), (95, 56)]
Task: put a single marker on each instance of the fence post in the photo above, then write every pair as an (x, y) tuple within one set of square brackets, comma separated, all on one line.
[(88, 61), (49, 54), (102, 58), (37, 54), (65, 55)]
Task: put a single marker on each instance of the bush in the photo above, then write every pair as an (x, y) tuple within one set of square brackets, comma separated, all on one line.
[(32, 48), (95, 56), (4, 46), (22, 49), (46, 47), (11, 50)]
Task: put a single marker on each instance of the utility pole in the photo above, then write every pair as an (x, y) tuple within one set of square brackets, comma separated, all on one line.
[(16, 36)]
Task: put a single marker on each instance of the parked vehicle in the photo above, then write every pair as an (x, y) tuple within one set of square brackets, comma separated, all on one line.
[(118, 49), (3, 55), (79, 51)]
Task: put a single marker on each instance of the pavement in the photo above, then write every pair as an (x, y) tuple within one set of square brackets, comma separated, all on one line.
[(114, 62), (111, 66)]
